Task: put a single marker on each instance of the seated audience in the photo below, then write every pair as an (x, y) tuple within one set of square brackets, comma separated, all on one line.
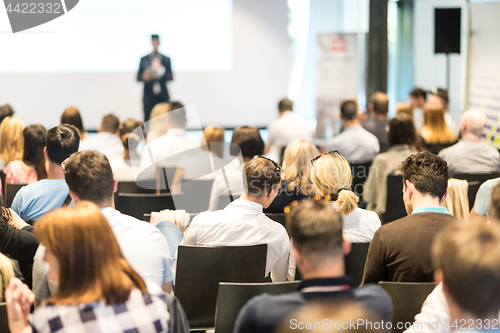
[(404, 108), (123, 167), (6, 111), (418, 98), (89, 177), (482, 202), (11, 141), (247, 141), (400, 251), (402, 138), (332, 176), (470, 154), (355, 143), (98, 289), (435, 134), (71, 116), (33, 201), (242, 222), (288, 127), (156, 125), (440, 96), (319, 249), (378, 107), (106, 140), (296, 181), (32, 167), (199, 166)]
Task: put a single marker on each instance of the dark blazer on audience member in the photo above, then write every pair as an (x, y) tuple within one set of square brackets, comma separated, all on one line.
[(377, 127), (435, 148), (283, 199), (401, 250)]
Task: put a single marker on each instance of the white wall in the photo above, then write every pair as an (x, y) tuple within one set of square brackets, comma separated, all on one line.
[(248, 94)]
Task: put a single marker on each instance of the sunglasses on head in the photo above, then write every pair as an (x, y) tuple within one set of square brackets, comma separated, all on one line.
[(328, 153), (277, 168)]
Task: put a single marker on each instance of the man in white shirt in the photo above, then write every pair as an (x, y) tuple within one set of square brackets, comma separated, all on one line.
[(356, 144), (470, 154), (242, 222), (106, 140), (89, 177), (288, 127)]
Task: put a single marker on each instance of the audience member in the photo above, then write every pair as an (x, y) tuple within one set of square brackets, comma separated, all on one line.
[(71, 116), (332, 176), (288, 127), (483, 196), (435, 134), (404, 108), (33, 201), (11, 140), (157, 126), (32, 167), (296, 181), (6, 111), (6, 274), (400, 251), (242, 222), (319, 248), (247, 141), (470, 154), (89, 177), (440, 96), (377, 124), (106, 140), (402, 139), (355, 143), (96, 284), (418, 98), (124, 169)]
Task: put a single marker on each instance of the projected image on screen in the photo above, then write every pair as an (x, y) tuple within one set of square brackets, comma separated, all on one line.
[(112, 35)]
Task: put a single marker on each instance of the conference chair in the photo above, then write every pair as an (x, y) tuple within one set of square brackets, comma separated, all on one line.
[(233, 296), (11, 191), (394, 207), (138, 204), (407, 299), (360, 172), (165, 176), (197, 195), (200, 269), (355, 262), (134, 187), (474, 181), (4, 322)]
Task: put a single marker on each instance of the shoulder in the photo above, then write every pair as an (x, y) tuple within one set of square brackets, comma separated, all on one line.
[(367, 215), (375, 298)]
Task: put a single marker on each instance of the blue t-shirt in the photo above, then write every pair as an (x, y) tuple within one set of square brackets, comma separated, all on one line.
[(35, 200)]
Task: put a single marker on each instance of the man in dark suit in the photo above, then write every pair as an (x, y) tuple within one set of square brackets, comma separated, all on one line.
[(154, 70)]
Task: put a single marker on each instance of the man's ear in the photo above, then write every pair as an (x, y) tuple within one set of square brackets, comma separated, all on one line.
[(438, 276), (115, 184), (370, 107), (444, 197), (45, 152), (410, 188), (73, 197), (298, 257), (346, 245)]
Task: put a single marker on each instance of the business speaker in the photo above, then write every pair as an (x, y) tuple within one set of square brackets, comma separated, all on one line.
[(447, 24)]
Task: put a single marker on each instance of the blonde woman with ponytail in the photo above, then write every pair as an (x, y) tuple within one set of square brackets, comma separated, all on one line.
[(332, 176)]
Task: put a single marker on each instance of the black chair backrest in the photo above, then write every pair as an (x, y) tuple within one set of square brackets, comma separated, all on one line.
[(407, 299), (200, 269), (360, 172), (233, 296), (355, 262), (137, 187), (4, 322), (197, 195), (138, 204), (394, 207), (11, 191), (474, 181)]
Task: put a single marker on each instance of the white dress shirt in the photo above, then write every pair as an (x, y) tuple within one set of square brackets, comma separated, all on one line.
[(234, 174), (243, 223), (287, 128), (360, 225), (107, 143), (204, 165), (356, 144)]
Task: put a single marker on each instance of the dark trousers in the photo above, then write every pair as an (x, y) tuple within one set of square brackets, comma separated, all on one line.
[(149, 102)]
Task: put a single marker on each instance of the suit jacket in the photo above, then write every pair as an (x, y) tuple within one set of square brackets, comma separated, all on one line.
[(167, 76)]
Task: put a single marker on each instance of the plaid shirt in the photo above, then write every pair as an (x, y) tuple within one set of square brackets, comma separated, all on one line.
[(140, 313)]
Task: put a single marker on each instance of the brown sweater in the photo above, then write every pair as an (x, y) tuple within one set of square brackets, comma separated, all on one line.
[(401, 250)]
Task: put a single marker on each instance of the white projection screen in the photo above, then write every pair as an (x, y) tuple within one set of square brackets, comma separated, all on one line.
[(229, 57)]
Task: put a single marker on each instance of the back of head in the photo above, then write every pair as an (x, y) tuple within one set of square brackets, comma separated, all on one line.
[(380, 103), (419, 93), (297, 166), (332, 176), (62, 141), (316, 231), (249, 140), (12, 139), (174, 105), (91, 263), (261, 174), (213, 134), (428, 172), (34, 142), (71, 116), (110, 123), (467, 254), (494, 210), (443, 95), (129, 140), (6, 111), (159, 109), (349, 110), (435, 129), (88, 174), (404, 108), (475, 122), (177, 118), (285, 105), (402, 131)]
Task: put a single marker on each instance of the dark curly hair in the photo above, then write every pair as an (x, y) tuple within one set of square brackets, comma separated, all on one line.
[(5, 216)]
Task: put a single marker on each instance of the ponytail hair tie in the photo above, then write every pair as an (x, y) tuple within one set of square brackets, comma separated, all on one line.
[(342, 189)]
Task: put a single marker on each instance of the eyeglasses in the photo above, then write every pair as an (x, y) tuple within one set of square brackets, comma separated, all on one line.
[(333, 152), (277, 168)]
